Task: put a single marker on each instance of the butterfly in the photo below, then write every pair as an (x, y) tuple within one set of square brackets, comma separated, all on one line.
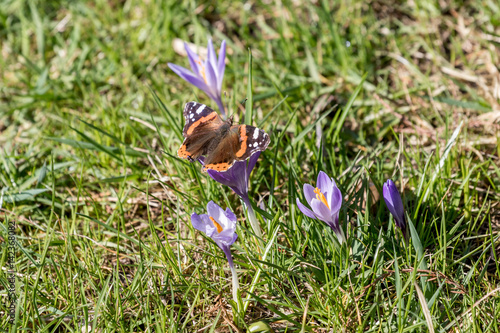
[(221, 142)]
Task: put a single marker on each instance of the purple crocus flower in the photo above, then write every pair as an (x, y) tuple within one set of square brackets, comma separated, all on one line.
[(395, 205), (325, 201), (206, 75), (237, 178), (220, 225)]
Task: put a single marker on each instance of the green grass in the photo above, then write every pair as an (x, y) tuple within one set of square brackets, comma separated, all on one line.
[(91, 118)]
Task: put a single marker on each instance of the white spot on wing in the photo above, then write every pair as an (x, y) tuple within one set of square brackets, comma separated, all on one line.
[(256, 134), (200, 109)]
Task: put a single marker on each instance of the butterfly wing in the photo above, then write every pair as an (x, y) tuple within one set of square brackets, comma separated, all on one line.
[(238, 145), (251, 140), (198, 117), (201, 128), (223, 156)]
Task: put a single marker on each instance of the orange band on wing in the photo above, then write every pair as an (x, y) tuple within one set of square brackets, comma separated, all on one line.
[(219, 167), (182, 152), (244, 137), (199, 121)]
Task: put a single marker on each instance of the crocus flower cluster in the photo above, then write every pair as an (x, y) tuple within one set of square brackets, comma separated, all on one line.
[(324, 200), (218, 224), (207, 75)]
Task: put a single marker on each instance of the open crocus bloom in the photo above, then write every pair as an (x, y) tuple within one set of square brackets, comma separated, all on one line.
[(395, 204), (325, 201), (218, 224), (206, 75)]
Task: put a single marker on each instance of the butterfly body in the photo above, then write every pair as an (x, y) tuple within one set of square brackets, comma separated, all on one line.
[(221, 142)]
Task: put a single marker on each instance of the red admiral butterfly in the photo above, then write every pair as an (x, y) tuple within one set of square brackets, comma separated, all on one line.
[(221, 142)]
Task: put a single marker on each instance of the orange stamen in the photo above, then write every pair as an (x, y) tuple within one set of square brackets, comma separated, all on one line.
[(202, 71), (321, 197), (217, 225)]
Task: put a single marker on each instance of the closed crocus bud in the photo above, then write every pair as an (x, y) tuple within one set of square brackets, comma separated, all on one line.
[(395, 204)]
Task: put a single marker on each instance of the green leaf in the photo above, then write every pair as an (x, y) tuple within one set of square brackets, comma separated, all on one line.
[(249, 102), (24, 195), (309, 127), (346, 110), (449, 145), (86, 145)]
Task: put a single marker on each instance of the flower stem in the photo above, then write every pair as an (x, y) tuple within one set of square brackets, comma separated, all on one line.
[(252, 218), (236, 284)]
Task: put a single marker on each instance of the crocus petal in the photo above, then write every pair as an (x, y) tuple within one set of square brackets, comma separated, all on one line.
[(194, 59), (220, 177), (203, 223), (215, 211), (187, 75), (337, 229), (211, 57), (234, 239), (227, 252), (394, 202), (251, 162), (309, 193), (238, 171), (211, 229), (329, 193), (228, 220), (236, 178), (324, 183), (230, 215), (197, 223), (227, 234), (334, 199), (321, 211), (181, 71), (222, 65), (211, 80), (306, 211)]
